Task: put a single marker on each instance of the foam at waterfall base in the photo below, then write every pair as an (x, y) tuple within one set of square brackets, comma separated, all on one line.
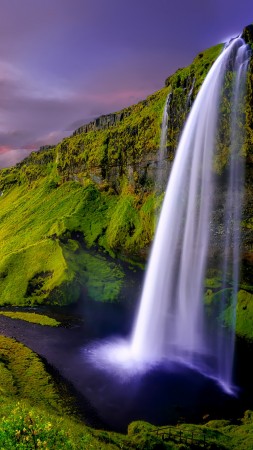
[(116, 356)]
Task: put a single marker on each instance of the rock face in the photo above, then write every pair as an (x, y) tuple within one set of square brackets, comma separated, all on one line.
[(45, 147), (102, 122), (247, 34)]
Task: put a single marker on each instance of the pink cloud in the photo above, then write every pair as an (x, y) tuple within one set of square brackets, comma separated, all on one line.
[(11, 156), (118, 98), (4, 149)]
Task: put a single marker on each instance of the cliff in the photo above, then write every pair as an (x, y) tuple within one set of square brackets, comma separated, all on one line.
[(103, 122), (97, 190)]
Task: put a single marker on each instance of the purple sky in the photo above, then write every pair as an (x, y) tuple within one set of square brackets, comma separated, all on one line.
[(64, 62)]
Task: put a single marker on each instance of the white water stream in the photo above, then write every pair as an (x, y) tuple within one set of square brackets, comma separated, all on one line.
[(171, 321)]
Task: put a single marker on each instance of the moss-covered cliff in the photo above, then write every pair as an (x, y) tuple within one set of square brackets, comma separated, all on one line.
[(96, 186), (96, 190)]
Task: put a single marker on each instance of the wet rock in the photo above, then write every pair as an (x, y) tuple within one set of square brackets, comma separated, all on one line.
[(247, 34)]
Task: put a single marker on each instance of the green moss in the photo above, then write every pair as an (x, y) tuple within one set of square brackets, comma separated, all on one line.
[(31, 317), (34, 255), (102, 279), (106, 154), (125, 220), (22, 376), (50, 266), (25, 265), (184, 81), (199, 68), (214, 282), (244, 315)]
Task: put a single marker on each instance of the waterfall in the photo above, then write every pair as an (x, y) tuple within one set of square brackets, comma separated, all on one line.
[(162, 163), (232, 219), (189, 97), (171, 322)]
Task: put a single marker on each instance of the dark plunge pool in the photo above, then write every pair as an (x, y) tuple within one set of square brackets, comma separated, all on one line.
[(110, 396), (165, 394)]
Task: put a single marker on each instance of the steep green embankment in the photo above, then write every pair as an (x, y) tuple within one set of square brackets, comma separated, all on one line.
[(97, 185)]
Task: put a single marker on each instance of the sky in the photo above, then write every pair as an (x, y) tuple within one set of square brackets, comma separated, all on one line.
[(65, 62)]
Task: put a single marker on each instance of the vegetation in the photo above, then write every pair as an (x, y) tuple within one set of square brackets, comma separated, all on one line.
[(244, 315), (185, 84), (46, 264), (22, 376), (219, 434), (31, 317), (92, 190)]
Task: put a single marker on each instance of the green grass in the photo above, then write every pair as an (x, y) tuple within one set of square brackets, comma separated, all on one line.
[(41, 262), (219, 434), (23, 376), (26, 427), (31, 317), (37, 261)]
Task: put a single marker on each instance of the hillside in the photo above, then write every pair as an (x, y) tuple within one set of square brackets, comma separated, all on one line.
[(65, 208), (97, 184)]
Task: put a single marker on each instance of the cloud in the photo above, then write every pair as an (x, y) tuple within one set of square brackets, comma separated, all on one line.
[(4, 150), (38, 112), (10, 156), (41, 114), (13, 138)]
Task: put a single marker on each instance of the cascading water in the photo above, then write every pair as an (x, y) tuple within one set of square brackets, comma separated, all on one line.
[(232, 219), (171, 321), (189, 98), (162, 161)]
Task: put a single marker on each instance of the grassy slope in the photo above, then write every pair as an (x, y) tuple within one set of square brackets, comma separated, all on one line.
[(32, 254)]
